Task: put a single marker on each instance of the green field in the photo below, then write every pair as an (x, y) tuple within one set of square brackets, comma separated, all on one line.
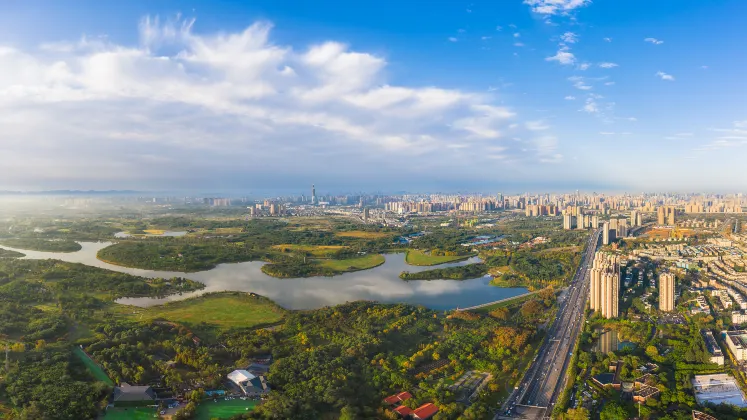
[(353, 264), (417, 257), (315, 250), (139, 413), (223, 409), (222, 310), (360, 234), (95, 370)]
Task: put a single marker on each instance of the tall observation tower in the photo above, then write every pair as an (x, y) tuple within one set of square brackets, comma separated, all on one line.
[(313, 195)]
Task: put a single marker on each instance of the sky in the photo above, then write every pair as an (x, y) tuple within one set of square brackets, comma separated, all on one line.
[(510, 95)]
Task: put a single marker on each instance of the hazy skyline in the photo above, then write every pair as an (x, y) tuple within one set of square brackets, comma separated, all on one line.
[(470, 96)]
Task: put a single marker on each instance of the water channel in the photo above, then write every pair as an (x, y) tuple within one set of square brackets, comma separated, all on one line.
[(381, 283)]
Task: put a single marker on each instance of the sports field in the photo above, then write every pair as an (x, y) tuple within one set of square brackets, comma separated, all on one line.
[(95, 370), (223, 409), (132, 413)]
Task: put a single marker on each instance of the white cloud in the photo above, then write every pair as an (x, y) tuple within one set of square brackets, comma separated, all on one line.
[(607, 39), (704, 67), (563, 57), (609, 83), (584, 66), (607, 65), (570, 98), (537, 125), (452, 39), (607, 133), (581, 85), (518, 44), (591, 106), (228, 106), (665, 76), (553, 7), (654, 41), (485, 38), (517, 35), (499, 28), (569, 38)]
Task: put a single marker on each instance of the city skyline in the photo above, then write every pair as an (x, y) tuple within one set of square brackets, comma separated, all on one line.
[(522, 96)]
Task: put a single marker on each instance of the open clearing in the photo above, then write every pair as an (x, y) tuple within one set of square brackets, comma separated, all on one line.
[(417, 257), (353, 264), (315, 250), (95, 370), (221, 310), (223, 409), (130, 413), (360, 234)]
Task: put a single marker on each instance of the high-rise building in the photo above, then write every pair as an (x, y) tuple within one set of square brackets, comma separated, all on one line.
[(594, 221), (313, 195), (606, 233), (635, 216), (666, 292), (605, 285), (569, 221), (366, 214), (665, 215)]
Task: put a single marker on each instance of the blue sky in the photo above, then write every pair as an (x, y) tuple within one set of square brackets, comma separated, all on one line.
[(481, 96)]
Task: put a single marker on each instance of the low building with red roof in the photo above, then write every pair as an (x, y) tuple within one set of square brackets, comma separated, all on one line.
[(404, 410), (397, 398), (425, 411)]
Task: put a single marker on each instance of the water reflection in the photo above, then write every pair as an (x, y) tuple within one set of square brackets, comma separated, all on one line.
[(380, 284)]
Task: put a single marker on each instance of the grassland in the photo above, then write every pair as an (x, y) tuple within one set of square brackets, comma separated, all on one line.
[(417, 257), (92, 367), (360, 234), (154, 231), (43, 245), (314, 250), (218, 310), (222, 409), (6, 253), (354, 264), (130, 413)]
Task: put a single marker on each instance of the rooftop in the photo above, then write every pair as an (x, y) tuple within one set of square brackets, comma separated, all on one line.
[(717, 389)]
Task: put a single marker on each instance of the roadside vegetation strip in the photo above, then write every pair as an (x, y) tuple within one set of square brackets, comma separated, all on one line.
[(92, 366), (130, 413), (222, 310), (6, 253), (420, 258)]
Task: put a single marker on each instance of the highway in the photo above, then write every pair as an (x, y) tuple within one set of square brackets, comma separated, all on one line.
[(544, 381)]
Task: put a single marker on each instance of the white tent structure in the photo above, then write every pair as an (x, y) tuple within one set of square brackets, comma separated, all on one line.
[(240, 377)]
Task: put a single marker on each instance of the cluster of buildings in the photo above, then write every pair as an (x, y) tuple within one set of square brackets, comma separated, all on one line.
[(605, 285), (396, 403)]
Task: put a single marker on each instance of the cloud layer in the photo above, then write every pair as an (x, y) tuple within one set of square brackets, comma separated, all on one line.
[(186, 107)]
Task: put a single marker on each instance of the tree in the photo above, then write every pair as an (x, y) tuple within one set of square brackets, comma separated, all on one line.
[(613, 411), (531, 310), (576, 414)]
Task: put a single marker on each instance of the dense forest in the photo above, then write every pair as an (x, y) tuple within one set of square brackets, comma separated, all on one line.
[(463, 272)]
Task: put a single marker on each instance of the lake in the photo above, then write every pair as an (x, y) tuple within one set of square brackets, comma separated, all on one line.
[(381, 283)]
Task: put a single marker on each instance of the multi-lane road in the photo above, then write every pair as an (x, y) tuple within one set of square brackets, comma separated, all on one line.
[(535, 396)]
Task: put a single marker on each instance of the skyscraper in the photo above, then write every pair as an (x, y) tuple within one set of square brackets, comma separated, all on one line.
[(666, 292), (568, 221), (635, 218), (606, 233), (605, 285), (665, 215), (313, 195)]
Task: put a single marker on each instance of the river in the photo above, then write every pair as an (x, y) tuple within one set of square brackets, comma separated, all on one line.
[(381, 283)]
